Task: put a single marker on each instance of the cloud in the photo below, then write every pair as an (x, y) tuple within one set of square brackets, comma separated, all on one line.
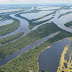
[(27, 1), (46, 1), (35, 1)]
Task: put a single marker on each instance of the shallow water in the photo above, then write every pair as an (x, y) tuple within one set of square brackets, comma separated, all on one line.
[(31, 16), (5, 22), (45, 18), (63, 11), (48, 8)]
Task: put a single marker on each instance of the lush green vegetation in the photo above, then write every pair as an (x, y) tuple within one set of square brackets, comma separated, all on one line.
[(10, 38), (1, 71), (5, 29), (4, 17), (68, 24), (29, 61), (33, 36)]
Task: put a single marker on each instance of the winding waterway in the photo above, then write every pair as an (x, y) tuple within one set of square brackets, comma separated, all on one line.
[(62, 20), (22, 28), (49, 58), (23, 25)]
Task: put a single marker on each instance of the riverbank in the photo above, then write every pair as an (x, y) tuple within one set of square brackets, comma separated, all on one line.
[(11, 38), (6, 29), (68, 24), (29, 60), (30, 38)]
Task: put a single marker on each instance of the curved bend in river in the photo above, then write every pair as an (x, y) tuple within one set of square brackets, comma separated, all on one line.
[(22, 28), (62, 20), (23, 25)]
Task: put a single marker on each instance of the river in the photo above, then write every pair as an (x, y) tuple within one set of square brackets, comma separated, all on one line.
[(6, 22), (63, 20), (22, 28), (49, 58), (16, 54)]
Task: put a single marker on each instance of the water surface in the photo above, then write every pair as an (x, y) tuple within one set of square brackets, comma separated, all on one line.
[(49, 58), (16, 54), (63, 20), (5, 22)]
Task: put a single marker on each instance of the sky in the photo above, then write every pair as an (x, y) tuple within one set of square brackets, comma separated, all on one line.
[(33, 1)]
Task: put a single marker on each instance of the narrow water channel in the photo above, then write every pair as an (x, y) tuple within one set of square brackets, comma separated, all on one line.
[(62, 20), (23, 25), (16, 54)]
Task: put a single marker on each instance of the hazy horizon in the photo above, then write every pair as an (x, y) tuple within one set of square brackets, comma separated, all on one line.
[(33, 1)]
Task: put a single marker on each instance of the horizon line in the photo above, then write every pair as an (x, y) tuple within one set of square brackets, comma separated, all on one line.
[(35, 3)]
